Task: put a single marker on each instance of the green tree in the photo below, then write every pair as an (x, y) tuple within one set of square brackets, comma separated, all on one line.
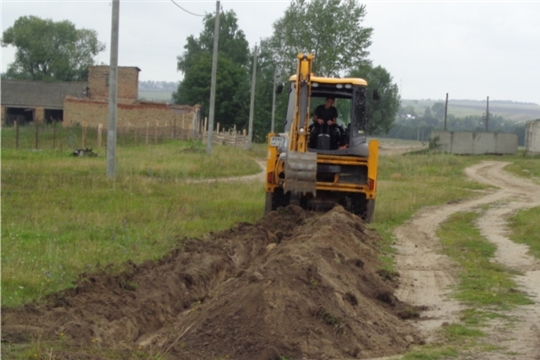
[(266, 66), (381, 112), (232, 81), (48, 50), (232, 90), (438, 110), (330, 29)]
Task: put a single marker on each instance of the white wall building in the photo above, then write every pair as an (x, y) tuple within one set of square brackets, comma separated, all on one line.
[(532, 137)]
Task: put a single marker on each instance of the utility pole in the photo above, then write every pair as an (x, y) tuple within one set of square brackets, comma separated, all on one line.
[(213, 84), (113, 92), (445, 111), (252, 104), (274, 102), (487, 113)]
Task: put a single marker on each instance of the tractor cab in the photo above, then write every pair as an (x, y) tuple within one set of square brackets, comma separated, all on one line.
[(349, 135)]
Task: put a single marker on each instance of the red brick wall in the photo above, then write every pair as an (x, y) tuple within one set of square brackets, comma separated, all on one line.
[(135, 115), (128, 82)]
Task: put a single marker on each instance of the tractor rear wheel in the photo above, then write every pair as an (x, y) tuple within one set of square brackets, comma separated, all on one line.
[(276, 200), (362, 207)]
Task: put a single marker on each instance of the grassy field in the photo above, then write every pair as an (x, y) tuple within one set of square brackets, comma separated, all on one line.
[(55, 205), (61, 217), (484, 288), (526, 167), (524, 226), (463, 108), (483, 284)]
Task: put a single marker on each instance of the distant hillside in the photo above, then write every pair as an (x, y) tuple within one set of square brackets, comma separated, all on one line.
[(509, 110), (158, 86), (160, 91)]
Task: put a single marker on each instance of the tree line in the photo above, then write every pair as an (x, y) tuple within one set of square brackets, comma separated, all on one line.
[(332, 30)]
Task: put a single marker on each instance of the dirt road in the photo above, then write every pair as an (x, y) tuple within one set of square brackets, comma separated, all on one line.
[(426, 274)]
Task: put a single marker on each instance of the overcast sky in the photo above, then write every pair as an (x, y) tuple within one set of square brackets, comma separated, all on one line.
[(469, 49)]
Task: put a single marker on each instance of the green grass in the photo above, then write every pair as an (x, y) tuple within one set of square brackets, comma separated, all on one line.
[(526, 167), (409, 182), (524, 226), (484, 287), (483, 284), (62, 217)]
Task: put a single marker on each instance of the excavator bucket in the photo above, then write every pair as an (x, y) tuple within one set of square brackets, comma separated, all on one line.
[(301, 172)]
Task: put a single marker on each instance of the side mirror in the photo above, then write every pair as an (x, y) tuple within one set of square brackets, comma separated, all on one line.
[(279, 89), (376, 95)]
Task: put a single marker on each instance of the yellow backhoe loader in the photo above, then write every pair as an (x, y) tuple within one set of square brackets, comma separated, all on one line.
[(318, 173)]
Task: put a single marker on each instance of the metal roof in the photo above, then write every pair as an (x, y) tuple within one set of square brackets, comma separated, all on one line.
[(332, 81), (24, 93)]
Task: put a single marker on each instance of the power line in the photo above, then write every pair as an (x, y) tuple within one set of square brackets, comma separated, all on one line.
[(189, 12)]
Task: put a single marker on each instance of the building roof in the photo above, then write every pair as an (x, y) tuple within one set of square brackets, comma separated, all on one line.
[(24, 93)]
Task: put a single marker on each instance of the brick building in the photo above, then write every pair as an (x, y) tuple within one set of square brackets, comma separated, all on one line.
[(87, 102), (93, 108), (29, 101)]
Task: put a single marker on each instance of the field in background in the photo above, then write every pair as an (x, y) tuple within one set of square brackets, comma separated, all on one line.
[(159, 96), (461, 108), (61, 216)]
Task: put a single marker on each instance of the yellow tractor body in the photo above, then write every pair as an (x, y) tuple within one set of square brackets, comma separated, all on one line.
[(298, 171)]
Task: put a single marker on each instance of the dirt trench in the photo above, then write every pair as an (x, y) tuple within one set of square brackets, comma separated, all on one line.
[(296, 284), (427, 275)]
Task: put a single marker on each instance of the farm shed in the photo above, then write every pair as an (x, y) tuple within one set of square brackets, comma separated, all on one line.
[(87, 102), (532, 137), (28, 101)]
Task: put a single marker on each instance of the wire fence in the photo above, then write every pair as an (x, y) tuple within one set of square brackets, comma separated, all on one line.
[(41, 136)]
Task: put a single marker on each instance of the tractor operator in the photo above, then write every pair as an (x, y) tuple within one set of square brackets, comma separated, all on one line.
[(324, 121)]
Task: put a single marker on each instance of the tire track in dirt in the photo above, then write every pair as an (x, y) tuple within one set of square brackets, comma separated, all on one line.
[(243, 178), (426, 275)]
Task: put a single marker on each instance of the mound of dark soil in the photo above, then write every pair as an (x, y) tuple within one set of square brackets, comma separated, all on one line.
[(296, 285)]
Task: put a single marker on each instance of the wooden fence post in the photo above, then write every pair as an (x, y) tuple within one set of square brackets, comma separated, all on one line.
[(84, 135), (54, 134), (204, 129), (37, 134), (188, 133), (217, 129), (147, 126), (16, 134), (183, 125), (99, 139), (174, 127)]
